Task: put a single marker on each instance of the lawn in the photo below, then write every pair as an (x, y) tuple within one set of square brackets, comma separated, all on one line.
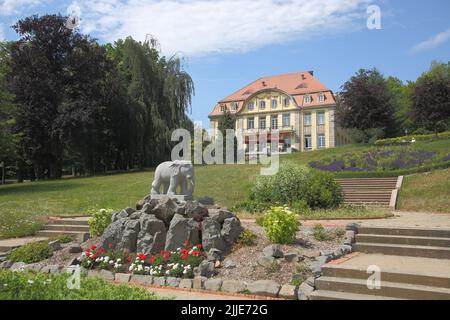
[(40, 286), (429, 192), (24, 207)]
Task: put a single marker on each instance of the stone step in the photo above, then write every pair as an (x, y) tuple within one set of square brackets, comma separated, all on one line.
[(69, 221), (67, 227), (404, 250), (353, 272), (335, 295), (387, 289), (3, 253), (400, 239), (80, 235), (443, 233)]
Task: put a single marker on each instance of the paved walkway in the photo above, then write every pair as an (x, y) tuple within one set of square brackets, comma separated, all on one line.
[(198, 295)]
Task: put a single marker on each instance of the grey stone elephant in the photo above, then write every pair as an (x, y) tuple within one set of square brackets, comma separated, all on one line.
[(171, 174)]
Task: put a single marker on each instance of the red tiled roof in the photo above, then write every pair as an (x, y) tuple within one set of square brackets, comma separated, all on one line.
[(295, 84)]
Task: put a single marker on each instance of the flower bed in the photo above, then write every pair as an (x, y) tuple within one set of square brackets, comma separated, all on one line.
[(381, 160), (179, 263)]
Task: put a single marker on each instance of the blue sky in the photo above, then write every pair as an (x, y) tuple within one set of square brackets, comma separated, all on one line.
[(229, 43)]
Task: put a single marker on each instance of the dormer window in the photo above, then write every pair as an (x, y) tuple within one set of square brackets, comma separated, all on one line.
[(286, 102), (222, 108), (307, 99), (321, 97), (251, 106), (274, 103), (233, 107), (262, 105)]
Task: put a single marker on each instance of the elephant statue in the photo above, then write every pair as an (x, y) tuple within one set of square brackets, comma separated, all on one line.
[(170, 175)]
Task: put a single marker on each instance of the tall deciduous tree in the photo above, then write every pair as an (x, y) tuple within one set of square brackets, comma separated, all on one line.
[(366, 102), (431, 98)]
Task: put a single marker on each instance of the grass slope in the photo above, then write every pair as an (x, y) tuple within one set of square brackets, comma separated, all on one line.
[(429, 192), (24, 207)]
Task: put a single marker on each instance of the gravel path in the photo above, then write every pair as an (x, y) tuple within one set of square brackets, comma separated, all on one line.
[(245, 258)]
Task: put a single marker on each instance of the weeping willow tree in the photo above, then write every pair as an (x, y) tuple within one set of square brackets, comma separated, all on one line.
[(160, 94)]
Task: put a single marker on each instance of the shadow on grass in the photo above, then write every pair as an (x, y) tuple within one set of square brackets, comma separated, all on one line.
[(30, 187)]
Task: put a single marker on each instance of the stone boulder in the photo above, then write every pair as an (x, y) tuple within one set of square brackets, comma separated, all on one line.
[(211, 235), (152, 235), (178, 232), (165, 209), (231, 230), (267, 288)]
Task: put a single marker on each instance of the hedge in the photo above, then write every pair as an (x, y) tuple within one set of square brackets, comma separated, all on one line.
[(392, 173), (408, 139)]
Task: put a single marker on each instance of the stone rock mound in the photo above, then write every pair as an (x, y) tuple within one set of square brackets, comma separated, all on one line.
[(167, 223)]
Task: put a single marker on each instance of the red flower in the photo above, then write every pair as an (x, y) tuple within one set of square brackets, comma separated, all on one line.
[(100, 251), (163, 252), (110, 245), (199, 246), (141, 256), (186, 242), (184, 257), (152, 259), (129, 258), (94, 256), (93, 247)]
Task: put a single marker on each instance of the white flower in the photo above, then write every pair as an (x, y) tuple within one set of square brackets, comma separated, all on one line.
[(30, 281), (167, 272), (140, 267), (131, 267), (119, 260), (185, 271)]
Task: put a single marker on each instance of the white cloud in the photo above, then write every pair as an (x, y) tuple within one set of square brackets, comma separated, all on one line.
[(432, 43), (200, 27), (2, 32), (10, 7)]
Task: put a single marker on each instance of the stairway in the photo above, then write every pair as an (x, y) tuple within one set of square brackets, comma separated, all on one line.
[(414, 264), (371, 191), (77, 227)]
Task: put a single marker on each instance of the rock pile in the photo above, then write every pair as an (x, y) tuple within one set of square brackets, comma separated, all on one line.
[(167, 223)]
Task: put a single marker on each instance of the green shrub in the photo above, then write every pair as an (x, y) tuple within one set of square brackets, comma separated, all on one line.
[(280, 225), (303, 272), (247, 238), (408, 139), (322, 234), (31, 252), (40, 286), (323, 191), (286, 186), (65, 238), (300, 207), (99, 221), (250, 206)]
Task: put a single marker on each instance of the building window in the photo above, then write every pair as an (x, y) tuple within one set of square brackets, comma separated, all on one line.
[(274, 122), (307, 99), (286, 120), (262, 105), (250, 123), (307, 119), (321, 141), (262, 123), (308, 142), (274, 103), (222, 108), (321, 97), (287, 142), (233, 107), (251, 106), (321, 118), (286, 102)]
